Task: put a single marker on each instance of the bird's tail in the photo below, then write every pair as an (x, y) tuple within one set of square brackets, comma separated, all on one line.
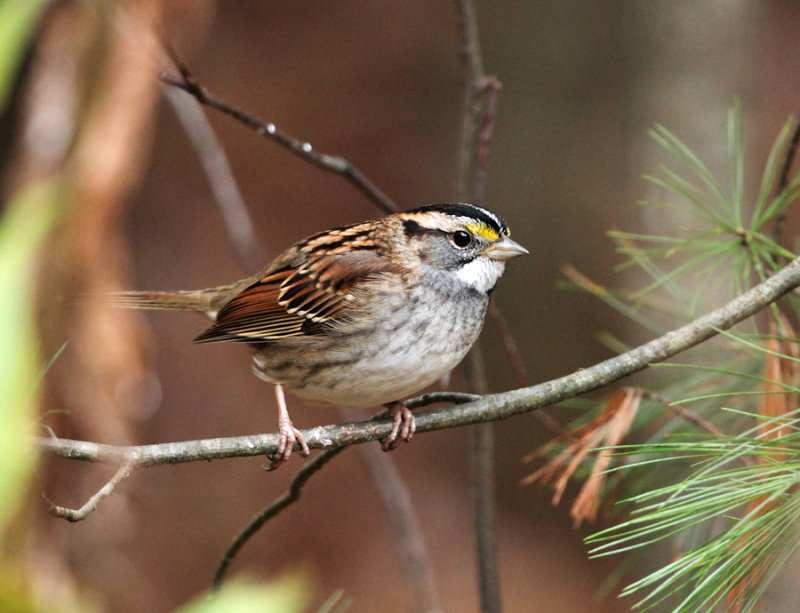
[(192, 300)]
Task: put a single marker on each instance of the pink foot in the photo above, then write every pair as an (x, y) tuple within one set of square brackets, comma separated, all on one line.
[(289, 434), (403, 426)]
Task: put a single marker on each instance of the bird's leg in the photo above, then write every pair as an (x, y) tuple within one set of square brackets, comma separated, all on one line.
[(403, 425), (289, 434)]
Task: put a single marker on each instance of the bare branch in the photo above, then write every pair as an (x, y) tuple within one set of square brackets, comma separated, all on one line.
[(280, 503), (335, 164), (477, 124), (220, 178), (75, 515), (397, 501), (491, 86), (472, 62), (493, 407), (684, 413), (483, 500), (518, 366), (404, 527)]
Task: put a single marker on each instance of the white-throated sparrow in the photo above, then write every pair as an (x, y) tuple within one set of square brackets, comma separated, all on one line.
[(362, 315)]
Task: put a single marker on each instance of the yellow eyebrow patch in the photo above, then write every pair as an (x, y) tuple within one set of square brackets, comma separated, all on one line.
[(483, 231)]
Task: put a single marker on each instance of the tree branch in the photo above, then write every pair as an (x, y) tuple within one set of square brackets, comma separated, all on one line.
[(335, 164), (76, 515), (404, 527), (491, 87), (493, 407), (215, 163), (480, 102), (281, 502)]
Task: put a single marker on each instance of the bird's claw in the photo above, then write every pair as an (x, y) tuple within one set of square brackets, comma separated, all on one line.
[(403, 426), (289, 436)]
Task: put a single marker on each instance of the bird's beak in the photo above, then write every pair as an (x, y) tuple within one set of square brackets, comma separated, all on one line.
[(504, 249)]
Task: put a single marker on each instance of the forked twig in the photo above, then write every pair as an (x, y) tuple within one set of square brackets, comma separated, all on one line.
[(76, 515), (145, 456)]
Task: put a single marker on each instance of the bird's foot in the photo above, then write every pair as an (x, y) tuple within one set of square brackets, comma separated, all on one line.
[(289, 434), (403, 426)]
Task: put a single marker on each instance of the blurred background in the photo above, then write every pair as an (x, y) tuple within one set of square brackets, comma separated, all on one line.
[(379, 83)]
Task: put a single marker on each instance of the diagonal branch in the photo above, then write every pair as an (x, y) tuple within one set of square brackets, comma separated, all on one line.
[(279, 504), (403, 523), (76, 515), (493, 407), (220, 178), (335, 164)]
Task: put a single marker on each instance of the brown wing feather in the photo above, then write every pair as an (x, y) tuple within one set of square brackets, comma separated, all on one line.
[(287, 302)]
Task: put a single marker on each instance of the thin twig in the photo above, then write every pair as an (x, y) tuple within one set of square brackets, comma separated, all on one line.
[(292, 494), (75, 515), (783, 180), (692, 418), (491, 86), (518, 366), (220, 178), (492, 407), (482, 454), (335, 164), (684, 413), (472, 63), (510, 346), (404, 524)]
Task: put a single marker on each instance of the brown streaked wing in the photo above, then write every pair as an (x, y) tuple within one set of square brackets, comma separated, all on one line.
[(285, 302)]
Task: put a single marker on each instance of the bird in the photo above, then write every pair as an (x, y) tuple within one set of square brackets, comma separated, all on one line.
[(362, 315)]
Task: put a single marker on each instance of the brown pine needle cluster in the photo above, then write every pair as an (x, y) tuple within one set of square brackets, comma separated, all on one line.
[(781, 369), (606, 430), (780, 372)]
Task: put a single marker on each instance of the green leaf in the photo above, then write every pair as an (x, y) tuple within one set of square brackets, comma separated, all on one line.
[(290, 594), (22, 230), (17, 19)]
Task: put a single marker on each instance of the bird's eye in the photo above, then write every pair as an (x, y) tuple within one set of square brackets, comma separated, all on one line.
[(461, 238)]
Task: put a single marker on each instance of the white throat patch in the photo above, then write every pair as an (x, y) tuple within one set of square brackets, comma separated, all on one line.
[(481, 273)]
